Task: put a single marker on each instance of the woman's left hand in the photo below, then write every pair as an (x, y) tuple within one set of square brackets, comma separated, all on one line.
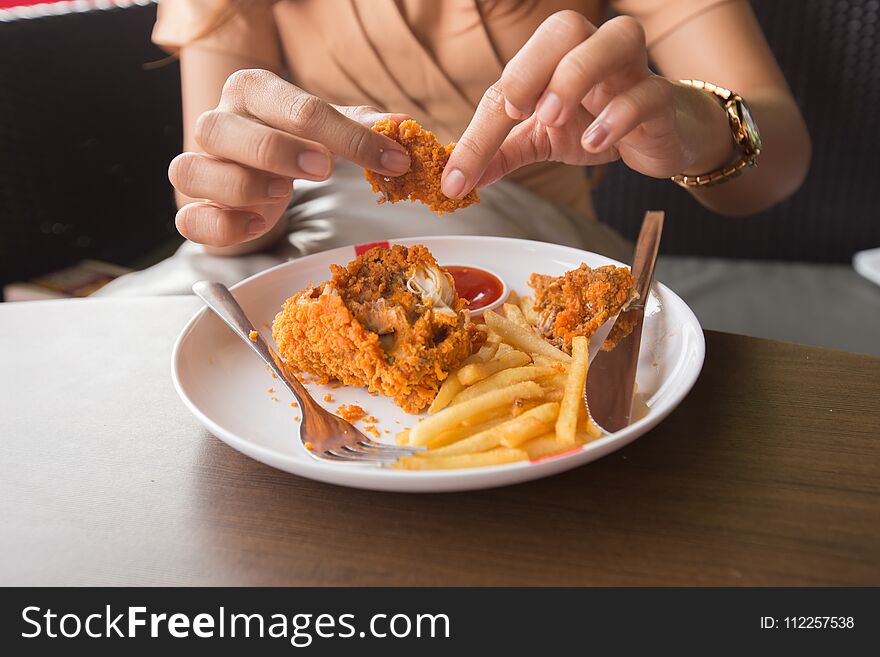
[(584, 95)]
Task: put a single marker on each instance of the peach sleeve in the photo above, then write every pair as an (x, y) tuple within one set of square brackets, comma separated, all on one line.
[(661, 17), (244, 28)]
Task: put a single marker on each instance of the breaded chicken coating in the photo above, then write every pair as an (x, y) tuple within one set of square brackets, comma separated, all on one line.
[(580, 301), (421, 183), (390, 320)]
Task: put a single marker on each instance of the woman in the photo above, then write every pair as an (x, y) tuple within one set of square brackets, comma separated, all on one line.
[(275, 93)]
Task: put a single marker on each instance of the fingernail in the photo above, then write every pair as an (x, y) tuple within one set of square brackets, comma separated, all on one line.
[(392, 160), (278, 187), (453, 184), (256, 226), (549, 109), (314, 163), (596, 136), (513, 111)]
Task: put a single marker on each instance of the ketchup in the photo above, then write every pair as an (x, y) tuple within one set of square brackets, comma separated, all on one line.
[(478, 286)]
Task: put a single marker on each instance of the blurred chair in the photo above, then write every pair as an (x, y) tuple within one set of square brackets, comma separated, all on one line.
[(829, 51), (87, 129)]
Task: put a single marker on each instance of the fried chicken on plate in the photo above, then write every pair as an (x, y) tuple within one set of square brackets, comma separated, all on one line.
[(390, 320), (580, 301), (421, 183)]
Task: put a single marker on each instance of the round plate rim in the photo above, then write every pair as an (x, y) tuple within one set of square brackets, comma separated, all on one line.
[(378, 478)]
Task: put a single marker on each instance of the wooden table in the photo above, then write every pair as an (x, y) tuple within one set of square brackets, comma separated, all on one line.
[(769, 473)]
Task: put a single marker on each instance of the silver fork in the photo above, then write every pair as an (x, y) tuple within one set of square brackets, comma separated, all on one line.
[(325, 436)]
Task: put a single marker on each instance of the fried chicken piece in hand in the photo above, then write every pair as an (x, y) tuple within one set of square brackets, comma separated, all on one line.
[(428, 158), (580, 301), (390, 320)]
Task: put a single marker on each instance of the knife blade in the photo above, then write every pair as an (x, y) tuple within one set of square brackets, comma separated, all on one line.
[(610, 386)]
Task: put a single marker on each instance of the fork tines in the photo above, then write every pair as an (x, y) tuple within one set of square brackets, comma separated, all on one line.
[(368, 450)]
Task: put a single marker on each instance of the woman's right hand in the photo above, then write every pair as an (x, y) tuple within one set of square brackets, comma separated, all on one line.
[(264, 134)]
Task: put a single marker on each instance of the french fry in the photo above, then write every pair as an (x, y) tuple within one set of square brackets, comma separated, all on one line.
[(525, 428), (503, 348), (585, 420), (402, 437), (487, 351), (498, 456), (586, 424), (547, 445), (521, 338), (510, 433), (464, 431), (532, 423), (479, 442), (512, 297), (474, 372), (555, 381), (573, 395), (451, 417), (553, 394), (502, 412), (527, 305), (538, 359), (503, 379), (515, 315), (592, 430), (451, 386)]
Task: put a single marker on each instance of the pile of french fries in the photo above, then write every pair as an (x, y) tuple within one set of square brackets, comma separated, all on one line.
[(518, 398)]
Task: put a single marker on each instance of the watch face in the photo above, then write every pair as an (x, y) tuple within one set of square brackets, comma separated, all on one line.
[(751, 128)]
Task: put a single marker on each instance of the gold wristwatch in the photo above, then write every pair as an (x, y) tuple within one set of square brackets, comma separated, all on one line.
[(745, 135)]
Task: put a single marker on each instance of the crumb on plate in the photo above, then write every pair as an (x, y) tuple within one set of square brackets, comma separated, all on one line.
[(351, 412)]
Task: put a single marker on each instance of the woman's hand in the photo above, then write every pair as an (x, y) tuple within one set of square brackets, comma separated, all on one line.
[(264, 134), (582, 95)]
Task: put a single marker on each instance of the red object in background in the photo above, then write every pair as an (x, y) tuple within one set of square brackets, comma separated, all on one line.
[(7, 4), (10, 4)]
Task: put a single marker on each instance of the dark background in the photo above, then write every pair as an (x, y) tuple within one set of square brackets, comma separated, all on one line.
[(494, 621), (87, 128)]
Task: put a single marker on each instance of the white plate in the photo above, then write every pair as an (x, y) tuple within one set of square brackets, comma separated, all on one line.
[(227, 388)]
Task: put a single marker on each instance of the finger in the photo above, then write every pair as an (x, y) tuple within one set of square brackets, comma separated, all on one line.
[(237, 138), (617, 49), (367, 115), (203, 176), (529, 142), (478, 145), (526, 75), (649, 102), (216, 226), (524, 145), (286, 107)]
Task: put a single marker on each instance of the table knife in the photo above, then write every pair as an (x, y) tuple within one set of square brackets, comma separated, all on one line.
[(610, 386)]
